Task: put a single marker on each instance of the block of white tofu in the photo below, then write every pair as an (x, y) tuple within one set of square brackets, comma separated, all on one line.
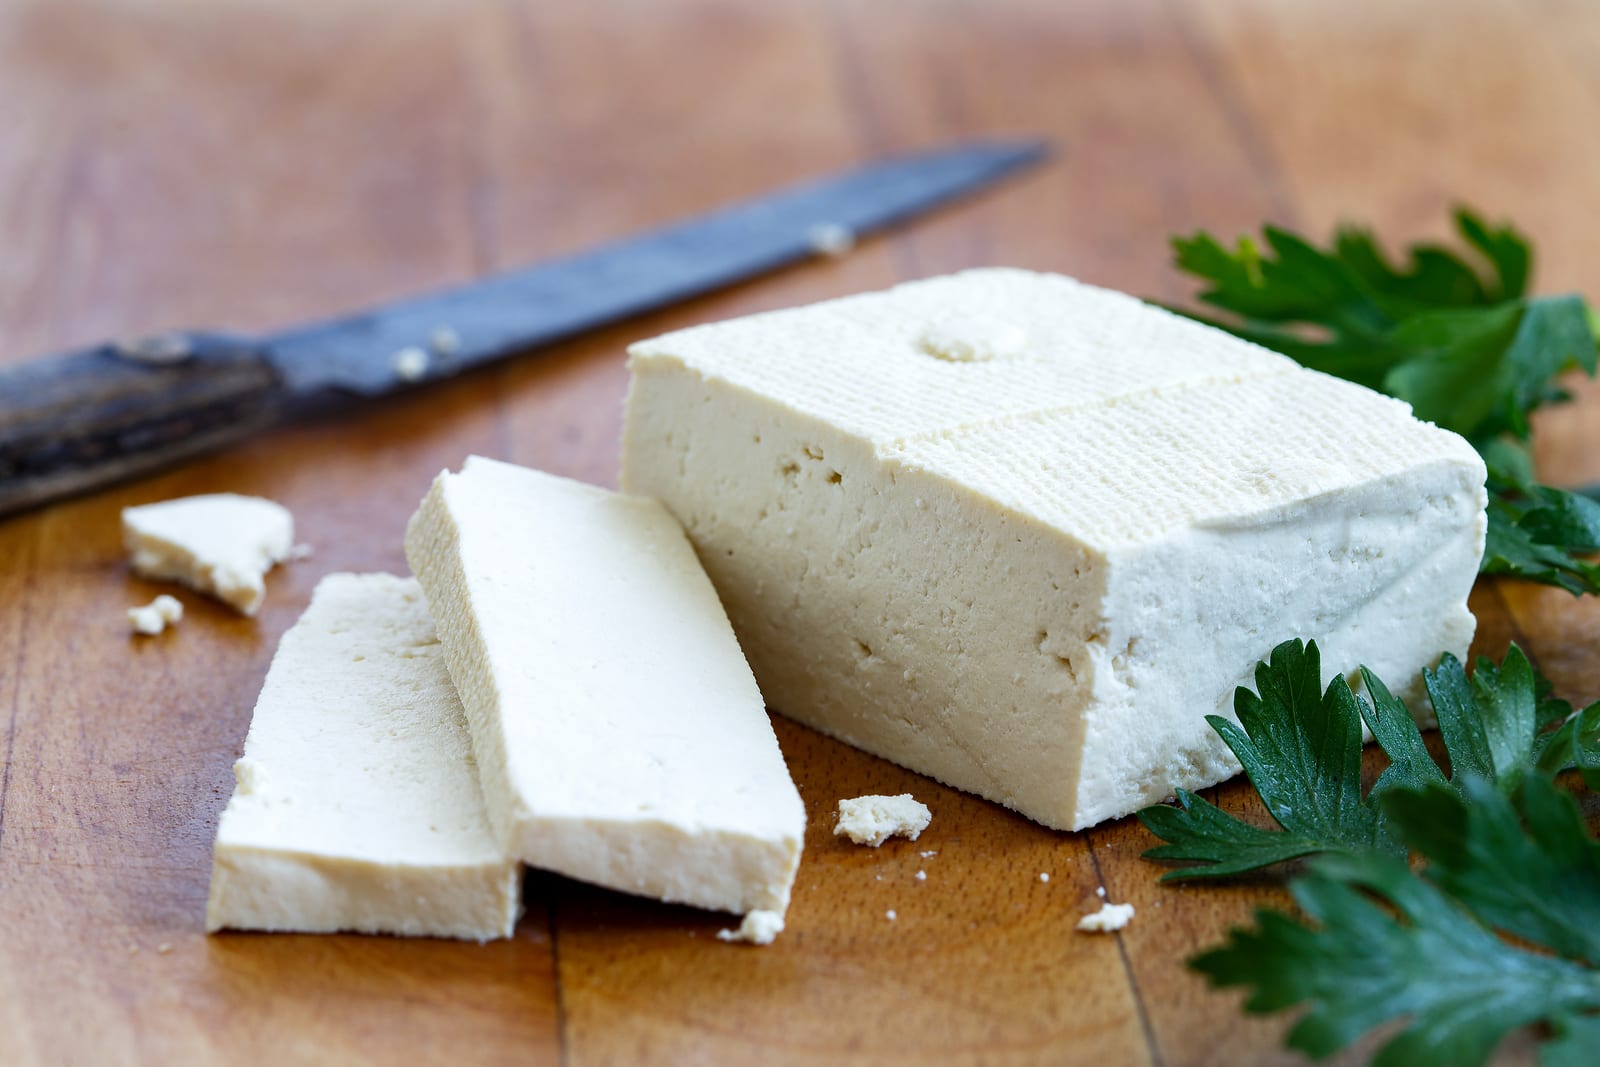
[(357, 804), (1022, 534), (620, 736), (222, 544)]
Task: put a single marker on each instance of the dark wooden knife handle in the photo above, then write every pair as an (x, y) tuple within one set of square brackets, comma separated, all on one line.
[(84, 419)]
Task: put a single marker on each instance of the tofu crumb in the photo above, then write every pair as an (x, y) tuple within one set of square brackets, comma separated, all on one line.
[(164, 948), (1044, 876), (1100, 891), (872, 820), (890, 915), (922, 876), (410, 364), (1110, 917), (156, 615), (929, 855), (444, 341), (831, 239), (220, 544), (758, 928), (300, 552)]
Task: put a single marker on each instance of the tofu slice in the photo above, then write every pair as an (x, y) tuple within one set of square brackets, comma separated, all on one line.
[(1023, 535), (357, 804), (222, 544), (620, 736)]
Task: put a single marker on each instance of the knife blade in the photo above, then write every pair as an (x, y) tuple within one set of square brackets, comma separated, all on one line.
[(84, 419)]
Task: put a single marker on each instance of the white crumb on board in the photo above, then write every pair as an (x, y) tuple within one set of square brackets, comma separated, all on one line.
[(1044, 876), (300, 552), (1100, 891), (758, 928), (890, 915), (872, 820), (922, 876), (1110, 917), (221, 544), (155, 616), (929, 855)]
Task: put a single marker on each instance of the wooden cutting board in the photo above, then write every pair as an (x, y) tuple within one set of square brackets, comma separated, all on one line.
[(178, 162)]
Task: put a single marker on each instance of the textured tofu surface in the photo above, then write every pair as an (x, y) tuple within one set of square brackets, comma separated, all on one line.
[(222, 544), (1033, 570), (620, 735), (357, 804)]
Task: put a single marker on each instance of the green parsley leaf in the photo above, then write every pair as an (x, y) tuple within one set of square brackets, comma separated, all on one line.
[(1479, 853), (1507, 251), (1573, 745), (1389, 944), (1460, 987), (1199, 830), (1535, 531), (1436, 277), (1577, 1036), (1481, 371), (1301, 750), (1452, 334)]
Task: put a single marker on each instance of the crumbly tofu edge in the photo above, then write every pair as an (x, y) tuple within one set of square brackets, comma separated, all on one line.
[(284, 891)]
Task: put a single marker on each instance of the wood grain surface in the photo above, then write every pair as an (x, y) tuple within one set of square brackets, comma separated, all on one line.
[(176, 162)]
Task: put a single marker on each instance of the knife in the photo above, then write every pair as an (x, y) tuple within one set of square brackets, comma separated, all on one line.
[(73, 422)]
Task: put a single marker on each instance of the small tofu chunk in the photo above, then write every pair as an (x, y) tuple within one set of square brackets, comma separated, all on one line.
[(620, 736), (357, 804), (872, 820), (155, 616), (1109, 918), (221, 544), (758, 928)]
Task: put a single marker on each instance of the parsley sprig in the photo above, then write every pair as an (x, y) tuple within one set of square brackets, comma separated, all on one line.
[(1463, 344), (1428, 948), (1300, 746), (1490, 928)]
